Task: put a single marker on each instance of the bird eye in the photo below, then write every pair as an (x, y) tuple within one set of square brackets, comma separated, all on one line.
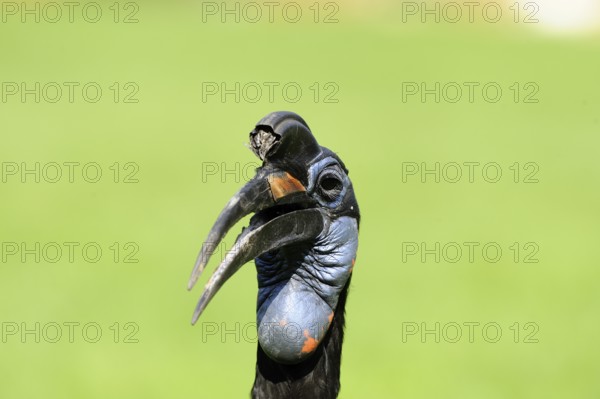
[(329, 183), (330, 186)]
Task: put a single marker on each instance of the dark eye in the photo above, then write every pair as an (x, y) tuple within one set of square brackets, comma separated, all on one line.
[(329, 183), (330, 186)]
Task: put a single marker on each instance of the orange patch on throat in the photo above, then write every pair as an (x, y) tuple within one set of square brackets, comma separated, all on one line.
[(283, 184), (310, 344), (330, 317)]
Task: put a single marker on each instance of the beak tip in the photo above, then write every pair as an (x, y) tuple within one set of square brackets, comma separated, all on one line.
[(195, 317), (195, 276)]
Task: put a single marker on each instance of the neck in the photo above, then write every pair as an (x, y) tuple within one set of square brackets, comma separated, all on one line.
[(316, 378)]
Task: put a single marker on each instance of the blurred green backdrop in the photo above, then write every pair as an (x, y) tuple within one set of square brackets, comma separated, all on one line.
[(179, 150)]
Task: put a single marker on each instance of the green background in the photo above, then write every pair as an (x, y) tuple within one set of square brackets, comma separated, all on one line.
[(172, 135)]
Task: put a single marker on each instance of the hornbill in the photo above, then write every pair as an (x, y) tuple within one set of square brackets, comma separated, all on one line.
[(303, 236)]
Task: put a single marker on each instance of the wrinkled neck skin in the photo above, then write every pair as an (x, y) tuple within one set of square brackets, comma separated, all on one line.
[(300, 316), (317, 377)]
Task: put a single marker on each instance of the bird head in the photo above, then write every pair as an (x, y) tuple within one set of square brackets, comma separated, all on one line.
[(303, 236)]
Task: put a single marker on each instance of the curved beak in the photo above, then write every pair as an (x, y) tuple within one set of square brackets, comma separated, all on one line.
[(267, 189)]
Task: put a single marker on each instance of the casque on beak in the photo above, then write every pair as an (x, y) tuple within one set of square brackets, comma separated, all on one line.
[(270, 187)]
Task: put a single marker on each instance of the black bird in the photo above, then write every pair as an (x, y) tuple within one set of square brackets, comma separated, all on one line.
[(303, 237)]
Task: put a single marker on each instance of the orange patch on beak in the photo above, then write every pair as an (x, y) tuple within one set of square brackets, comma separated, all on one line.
[(352, 267), (282, 184), (330, 317), (310, 344)]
